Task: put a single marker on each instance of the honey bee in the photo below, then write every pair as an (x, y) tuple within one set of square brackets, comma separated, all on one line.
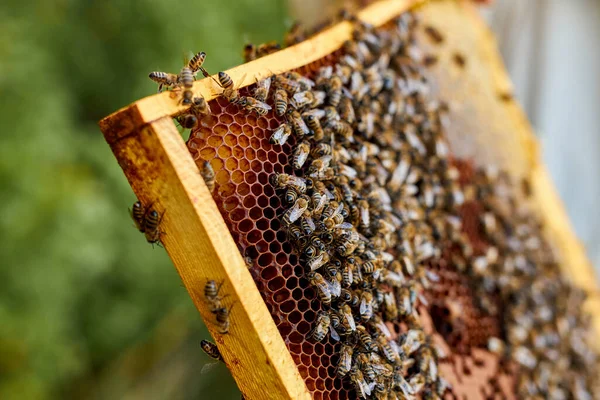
[(347, 110), (411, 341), (334, 90), (200, 107), (301, 154), (298, 124), (305, 83), (295, 211), (151, 227), (211, 350), (315, 126), (285, 181), (319, 165), (343, 129), (211, 294), (289, 85), (281, 134), (307, 224), (262, 90), (348, 242), (281, 102), (401, 384), (318, 261), (391, 307), (229, 92), (320, 149), (164, 79), (347, 276), (222, 317), (188, 121), (251, 104), (196, 62), (363, 389), (366, 305), (345, 362), (321, 286), (363, 362), (249, 52), (186, 80), (302, 99), (295, 232), (347, 317), (321, 327), (208, 174), (365, 339), (137, 213), (267, 48), (417, 382)]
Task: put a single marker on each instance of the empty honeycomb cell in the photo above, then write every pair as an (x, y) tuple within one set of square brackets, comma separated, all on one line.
[(242, 140), (262, 123), (304, 327), (281, 295), (230, 203), (263, 225), (240, 118), (237, 215), (238, 152), (265, 260), (250, 153), (248, 131), (249, 201), (207, 153), (225, 119), (244, 165), (287, 247), (288, 306), (250, 177), (269, 212), (243, 189), (224, 152), (230, 140), (256, 166), (254, 236), (282, 259), (220, 129), (281, 236), (274, 247), (292, 283), (256, 212), (274, 201), (255, 142), (246, 225), (261, 154), (226, 189), (237, 177), (297, 293), (295, 317)]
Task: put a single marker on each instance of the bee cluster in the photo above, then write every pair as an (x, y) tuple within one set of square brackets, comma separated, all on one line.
[(546, 333), (185, 81), (371, 199), (147, 221)]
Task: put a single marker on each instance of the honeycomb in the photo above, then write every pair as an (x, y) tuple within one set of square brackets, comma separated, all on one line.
[(457, 313)]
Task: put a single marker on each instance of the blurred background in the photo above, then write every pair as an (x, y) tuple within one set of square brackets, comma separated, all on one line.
[(87, 308)]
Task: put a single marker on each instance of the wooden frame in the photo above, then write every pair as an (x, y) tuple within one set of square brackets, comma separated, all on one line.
[(153, 156), (162, 173)]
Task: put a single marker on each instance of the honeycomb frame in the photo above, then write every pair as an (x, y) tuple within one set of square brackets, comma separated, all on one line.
[(147, 124)]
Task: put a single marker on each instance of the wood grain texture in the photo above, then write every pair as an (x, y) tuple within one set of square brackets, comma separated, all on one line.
[(162, 173), (148, 109)]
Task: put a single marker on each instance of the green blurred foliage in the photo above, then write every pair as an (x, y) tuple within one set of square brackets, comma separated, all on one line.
[(79, 286)]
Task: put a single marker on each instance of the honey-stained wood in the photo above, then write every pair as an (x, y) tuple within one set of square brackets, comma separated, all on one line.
[(150, 108), (163, 175)]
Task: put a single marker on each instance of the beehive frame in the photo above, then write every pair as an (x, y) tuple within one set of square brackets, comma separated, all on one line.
[(159, 167)]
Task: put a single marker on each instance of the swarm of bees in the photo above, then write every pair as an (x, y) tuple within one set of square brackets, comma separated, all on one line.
[(185, 81), (146, 221), (374, 200)]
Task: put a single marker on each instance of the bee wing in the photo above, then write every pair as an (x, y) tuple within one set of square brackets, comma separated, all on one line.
[(338, 210), (262, 105), (335, 287), (351, 322), (368, 387), (207, 367), (334, 335), (364, 306), (317, 262), (345, 225), (310, 222), (278, 134), (295, 212)]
